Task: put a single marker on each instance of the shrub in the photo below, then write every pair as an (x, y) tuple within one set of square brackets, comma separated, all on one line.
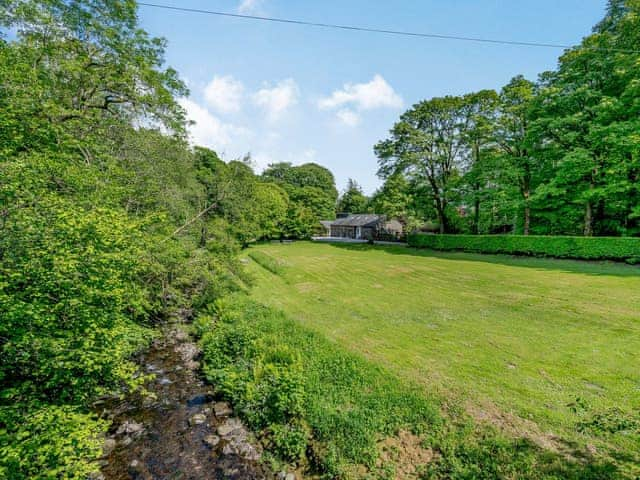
[(289, 441), (49, 442), (582, 248)]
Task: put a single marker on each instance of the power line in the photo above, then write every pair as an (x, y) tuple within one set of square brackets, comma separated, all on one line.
[(372, 30)]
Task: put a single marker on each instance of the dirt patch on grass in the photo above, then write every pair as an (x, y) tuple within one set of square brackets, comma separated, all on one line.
[(516, 426), (406, 453)]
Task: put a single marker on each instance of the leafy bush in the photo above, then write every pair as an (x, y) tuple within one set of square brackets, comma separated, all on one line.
[(70, 302), (583, 248), (48, 442), (289, 441)]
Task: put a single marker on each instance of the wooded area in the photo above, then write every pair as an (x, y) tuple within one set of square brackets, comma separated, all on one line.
[(560, 155)]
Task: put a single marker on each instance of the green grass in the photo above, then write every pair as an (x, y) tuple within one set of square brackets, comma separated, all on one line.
[(281, 376), (267, 261), (537, 347)]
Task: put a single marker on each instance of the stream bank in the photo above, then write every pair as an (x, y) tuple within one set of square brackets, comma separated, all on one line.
[(180, 431)]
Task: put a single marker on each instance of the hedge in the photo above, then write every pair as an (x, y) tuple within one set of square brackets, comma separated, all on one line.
[(623, 249)]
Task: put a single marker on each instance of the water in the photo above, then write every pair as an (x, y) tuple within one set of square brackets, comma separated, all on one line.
[(176, 434)]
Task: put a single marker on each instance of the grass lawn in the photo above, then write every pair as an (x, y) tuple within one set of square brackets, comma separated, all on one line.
[(515, 341)]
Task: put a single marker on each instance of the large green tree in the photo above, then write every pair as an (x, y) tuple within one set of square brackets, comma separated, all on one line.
[(352, 200), (478, 136), (587, 123), (426, 145), (512, 135), (310, 186)]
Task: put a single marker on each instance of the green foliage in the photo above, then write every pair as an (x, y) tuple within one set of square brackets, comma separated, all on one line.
[(103, 223), (49, 442), (312, 194), (69, 286), (289, 442), (305, 393), (352, 199), (559, 156), (583, 248)]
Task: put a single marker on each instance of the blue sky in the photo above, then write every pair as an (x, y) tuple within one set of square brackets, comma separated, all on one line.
[(299, 94)]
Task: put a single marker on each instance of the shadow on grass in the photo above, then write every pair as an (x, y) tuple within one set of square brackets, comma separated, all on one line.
[(602, 268)]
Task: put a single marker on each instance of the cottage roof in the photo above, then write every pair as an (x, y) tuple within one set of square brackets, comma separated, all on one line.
[(358, 220), (326, 223)]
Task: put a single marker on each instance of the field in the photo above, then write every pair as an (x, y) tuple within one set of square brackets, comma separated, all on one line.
[(544, 349)]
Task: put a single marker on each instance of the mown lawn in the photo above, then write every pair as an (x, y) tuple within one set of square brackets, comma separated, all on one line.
[(535, 346)]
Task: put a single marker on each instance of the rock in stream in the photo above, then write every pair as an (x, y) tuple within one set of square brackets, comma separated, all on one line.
[(179, 432)]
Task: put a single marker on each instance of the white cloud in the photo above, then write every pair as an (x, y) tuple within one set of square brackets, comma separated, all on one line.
[(365, 96), (262, 159), (348, 117), (249, 7), (224, 94), (276, 100), (208, 130)]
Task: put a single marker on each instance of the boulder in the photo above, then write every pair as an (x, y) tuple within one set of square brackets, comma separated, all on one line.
[(212, 440), (198, 419), (222, 409)]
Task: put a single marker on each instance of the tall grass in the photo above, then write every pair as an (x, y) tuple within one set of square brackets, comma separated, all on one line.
[(267, 261)]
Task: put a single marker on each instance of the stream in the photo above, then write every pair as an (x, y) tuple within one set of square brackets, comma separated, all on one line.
[(180, 432)]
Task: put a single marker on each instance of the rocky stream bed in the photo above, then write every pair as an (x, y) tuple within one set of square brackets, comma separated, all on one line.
[(180, 432)]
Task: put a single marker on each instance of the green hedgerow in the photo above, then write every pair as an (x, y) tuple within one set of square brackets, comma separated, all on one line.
[(581, 248)]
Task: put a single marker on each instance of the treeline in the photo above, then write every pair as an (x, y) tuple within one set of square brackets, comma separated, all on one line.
[(109, 221), (556, 156)]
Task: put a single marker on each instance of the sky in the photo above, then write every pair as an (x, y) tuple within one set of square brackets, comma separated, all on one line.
[(291, 93)]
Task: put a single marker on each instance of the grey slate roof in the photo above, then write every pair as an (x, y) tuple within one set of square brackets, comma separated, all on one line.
[(358, 220), (326, 223)]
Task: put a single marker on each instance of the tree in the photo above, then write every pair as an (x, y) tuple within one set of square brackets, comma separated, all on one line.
[(352, 199), (305, 175), (478, 135), (586, 119), (393, 198), (512, 136), (97, 210), (427, 146), (310, 185), (79, 69)]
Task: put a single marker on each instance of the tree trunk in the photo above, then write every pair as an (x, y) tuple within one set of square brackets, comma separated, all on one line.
[(441, 220), (476, 212), (588, 220), (527, 217), (526, 193), (442, 217)]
